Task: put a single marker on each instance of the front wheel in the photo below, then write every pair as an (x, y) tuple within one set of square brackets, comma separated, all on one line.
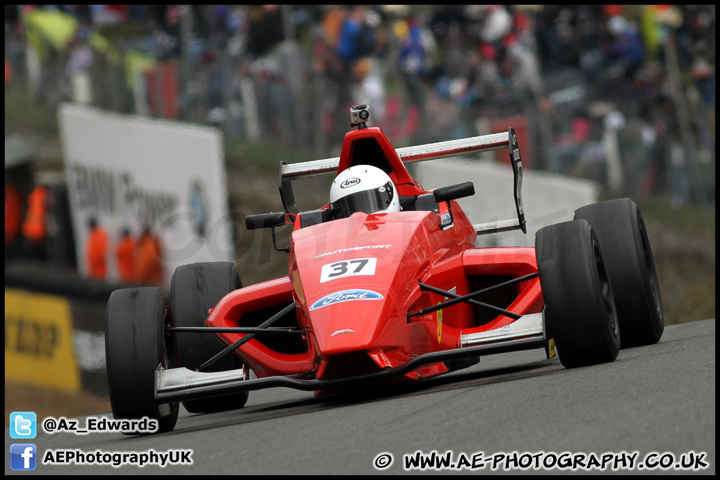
[(135, 346), (579, 304)]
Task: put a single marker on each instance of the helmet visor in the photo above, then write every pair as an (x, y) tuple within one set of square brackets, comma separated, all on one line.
[(367, 201)]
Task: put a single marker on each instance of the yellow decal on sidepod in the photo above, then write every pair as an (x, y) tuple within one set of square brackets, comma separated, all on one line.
[(439, 323)]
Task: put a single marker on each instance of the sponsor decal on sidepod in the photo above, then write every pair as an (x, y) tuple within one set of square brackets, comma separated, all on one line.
[(345, 296)]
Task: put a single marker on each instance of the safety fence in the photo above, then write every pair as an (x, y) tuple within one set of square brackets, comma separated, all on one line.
[(280, 100)]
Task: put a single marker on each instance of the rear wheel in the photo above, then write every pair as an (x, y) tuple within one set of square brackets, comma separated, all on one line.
[(194, 290), (135, 346), (579, 307), (629, 261)]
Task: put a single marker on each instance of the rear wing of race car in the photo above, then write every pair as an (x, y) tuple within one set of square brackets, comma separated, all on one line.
[(421, 153)]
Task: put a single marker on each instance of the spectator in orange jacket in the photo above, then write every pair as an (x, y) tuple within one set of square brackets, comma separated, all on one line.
[(96, 251), (34, 228), (13, 215), (148, 259), (125, 256)]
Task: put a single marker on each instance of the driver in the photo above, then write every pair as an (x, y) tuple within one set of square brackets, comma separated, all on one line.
[(362, 188)]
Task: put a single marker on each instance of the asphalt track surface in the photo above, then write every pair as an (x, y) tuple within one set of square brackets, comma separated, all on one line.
[(514, 409)]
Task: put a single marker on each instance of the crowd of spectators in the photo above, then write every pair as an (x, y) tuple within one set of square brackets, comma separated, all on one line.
[(428, 72)]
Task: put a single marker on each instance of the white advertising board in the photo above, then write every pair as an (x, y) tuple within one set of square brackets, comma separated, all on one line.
[(132, 172), (547, 198)]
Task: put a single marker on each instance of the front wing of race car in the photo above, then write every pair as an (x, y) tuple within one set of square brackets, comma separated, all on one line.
[(525, 333)]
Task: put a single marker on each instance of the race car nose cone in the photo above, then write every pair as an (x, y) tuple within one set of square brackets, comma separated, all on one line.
[(353, 320)]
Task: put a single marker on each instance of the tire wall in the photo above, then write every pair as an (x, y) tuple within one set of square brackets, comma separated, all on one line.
[(54, 331)]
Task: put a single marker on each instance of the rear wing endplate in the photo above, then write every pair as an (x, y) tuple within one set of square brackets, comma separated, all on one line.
[(421, 153)]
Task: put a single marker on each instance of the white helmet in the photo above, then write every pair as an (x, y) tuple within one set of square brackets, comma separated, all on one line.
[(363, 188)]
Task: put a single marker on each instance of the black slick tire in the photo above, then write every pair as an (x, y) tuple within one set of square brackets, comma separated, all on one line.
[(579, 307), (194, 290), (135, 346), (629, 260)]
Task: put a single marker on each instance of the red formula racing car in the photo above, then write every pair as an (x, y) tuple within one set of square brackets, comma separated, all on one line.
[(384, 284)]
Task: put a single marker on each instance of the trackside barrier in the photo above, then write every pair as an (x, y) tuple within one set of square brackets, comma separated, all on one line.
[(54, 328)]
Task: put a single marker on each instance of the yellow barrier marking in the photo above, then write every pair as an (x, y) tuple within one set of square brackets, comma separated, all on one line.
[(38, 341)]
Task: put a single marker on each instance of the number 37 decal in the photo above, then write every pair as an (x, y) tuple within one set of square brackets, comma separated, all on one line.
[(348, 268)]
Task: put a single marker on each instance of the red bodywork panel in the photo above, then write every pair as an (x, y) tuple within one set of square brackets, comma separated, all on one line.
[(355, 280)]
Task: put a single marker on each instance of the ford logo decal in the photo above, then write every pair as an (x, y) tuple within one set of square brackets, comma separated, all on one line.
[(345, 296), (350, 182)]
